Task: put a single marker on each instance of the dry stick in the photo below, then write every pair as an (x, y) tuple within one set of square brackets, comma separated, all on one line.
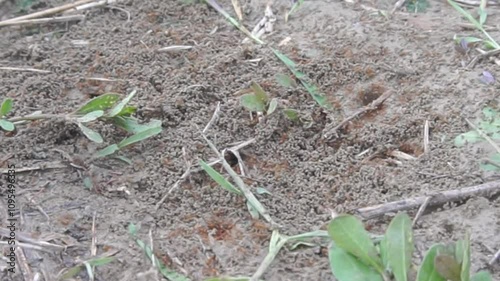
[(398, 5), (485, 190), (421, 210), (45, 20), (482, 134), (56, 165), (23, 69), (93, 245), (23, 264), (47, 12), (372, 106), (212, 120), (239, 182), (494, 258), (90, 5), (482, 56), (28, 246), (426, 137), (472, 3)]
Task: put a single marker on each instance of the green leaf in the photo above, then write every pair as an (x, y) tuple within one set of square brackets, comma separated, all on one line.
[(252, 103), (131, 124), (260, 93), (447, 267), (399, 238), (272, 106), (108, 150), (101, 261), (139, 137), (127, 111), (346, 267), (90, 134), (218, 178), (102, 102), (123, 159), (91, 116), (384, 252), (132, 229), (312, 89), (464, 252), (495, 158), (87, 183), (469, 39), (482, 15), (291, 114), (6, 107), (415, 6), (7, 125), (294, 8), (482, 276), (285, 80), (349, 234), (427, 271), (121, 105), (467, 138), (261, 190)]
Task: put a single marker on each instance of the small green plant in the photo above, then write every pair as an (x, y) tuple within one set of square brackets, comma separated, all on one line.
[(5, 108), (296, 5), (417, 6), (106, 108), (489, 126), (166, 272), (490, 43), (355, 256), (259, 101), (311, 88), (88, 265)]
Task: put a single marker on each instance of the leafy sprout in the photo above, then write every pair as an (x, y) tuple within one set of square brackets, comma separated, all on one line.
[(258, 100), (5, 108)]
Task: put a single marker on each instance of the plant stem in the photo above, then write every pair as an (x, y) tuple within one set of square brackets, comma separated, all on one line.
[(36, 117)]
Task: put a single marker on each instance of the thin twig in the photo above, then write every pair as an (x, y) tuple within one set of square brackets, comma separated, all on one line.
[(484, 55), (55, 165), (494, 258), (426, 137), (89, 5), (45, 20), (212, 120), (47, 12), (421, 210), (23, 264), (485, 190), (23, 69), (372, 106)]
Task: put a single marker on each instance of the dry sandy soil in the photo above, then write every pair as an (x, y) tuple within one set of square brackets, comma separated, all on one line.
[(201, 230)]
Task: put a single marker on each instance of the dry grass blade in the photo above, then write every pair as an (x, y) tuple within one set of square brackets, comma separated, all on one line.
[(237, 9), (47, 12), (44, 20)]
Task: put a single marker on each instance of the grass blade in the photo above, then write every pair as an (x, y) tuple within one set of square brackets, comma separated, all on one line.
[(139, 137), (131, 124), (90, 134), (272, 106), (218, 178), (312, 89), (108, 150), (260, 93), (464, 253), (427, 270), (294, 8), (345, 267), (349, 234), (121, 105), (399, 239), (6, 107), (482, 276)]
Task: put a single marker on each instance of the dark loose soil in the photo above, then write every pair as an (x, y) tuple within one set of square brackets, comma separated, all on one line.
[(201, 230)]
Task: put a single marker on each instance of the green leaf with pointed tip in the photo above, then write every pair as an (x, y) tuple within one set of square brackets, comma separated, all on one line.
[(482, 275), (131, 124), (447, 267), (102, 102), (490, 167), (252, 103), (464, 252), (259, 93), (90, 134), (272, 106), (345, 267), (482, 15), (399, 239), (91, 116), (383, 252), (132, 229), (127, 111), (87, 183), (6, 107), (7, 125), (139, 137), (312, 89), (427, 271), (218, 178), (108, 150), (121, 105), (349, 234)]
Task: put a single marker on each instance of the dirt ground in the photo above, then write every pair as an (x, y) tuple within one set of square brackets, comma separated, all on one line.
[(201, 230)]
